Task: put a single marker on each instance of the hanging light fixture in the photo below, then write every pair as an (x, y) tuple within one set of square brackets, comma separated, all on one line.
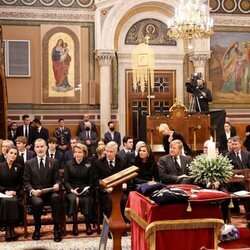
[(143, 63), (191, 21)]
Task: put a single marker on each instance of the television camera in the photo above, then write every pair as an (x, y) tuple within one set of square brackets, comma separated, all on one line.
[(192, 86), (195, 88)]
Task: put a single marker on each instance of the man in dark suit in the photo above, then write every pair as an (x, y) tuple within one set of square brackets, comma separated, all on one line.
[(82, 125), (127, 153), (53, 153), (27, 131), (40, 132), (105, 167), (12, 132), (21, 143), (63, 136), (112, 135), (173, 168), (89, 138), (69, 155), (39, 173), (240, 159)]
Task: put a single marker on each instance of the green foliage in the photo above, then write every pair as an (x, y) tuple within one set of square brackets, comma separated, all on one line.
[(207, 170)]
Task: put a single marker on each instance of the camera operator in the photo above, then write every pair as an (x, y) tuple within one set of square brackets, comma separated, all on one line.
[(200, 92)]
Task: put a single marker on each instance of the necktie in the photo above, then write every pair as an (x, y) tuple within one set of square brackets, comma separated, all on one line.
[(22, 154), (239, 160), (41, 167), (26, 132), (52, 156), (111, 164), (87, 134), (177, 166)]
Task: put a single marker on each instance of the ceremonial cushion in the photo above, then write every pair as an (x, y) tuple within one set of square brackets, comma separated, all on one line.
[(207, 195), (148, 188), (186, 187), (169, 196), (199, 194)]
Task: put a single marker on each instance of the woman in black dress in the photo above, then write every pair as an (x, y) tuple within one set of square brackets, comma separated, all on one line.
[(147, 166), (77, 178), (11, 179)]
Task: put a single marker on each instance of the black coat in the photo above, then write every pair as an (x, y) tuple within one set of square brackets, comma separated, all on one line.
[(32, 177), (167, 170)]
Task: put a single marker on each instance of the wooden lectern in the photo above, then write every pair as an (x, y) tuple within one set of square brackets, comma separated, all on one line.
[(117, 225)]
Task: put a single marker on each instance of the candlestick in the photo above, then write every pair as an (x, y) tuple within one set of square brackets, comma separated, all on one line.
[(211, 149)]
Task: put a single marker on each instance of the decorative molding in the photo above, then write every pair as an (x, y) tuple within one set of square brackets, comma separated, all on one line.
[(230, 6), (104, 57), (46, 14), (50, 3), (199, 59), (227, 20), (104, 14)]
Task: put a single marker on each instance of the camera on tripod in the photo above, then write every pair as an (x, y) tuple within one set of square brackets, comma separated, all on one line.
[(192, 86)]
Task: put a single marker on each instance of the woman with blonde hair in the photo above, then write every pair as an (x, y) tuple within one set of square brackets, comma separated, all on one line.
[(78, 186), (170, 135)]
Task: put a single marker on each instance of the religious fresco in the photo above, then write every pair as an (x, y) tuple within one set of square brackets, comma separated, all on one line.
[(61, 66), (230, 68), (154, 29)]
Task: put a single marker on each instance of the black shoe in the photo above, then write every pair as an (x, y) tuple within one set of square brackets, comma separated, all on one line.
[(57, 236), (36, 235), (75, 230), (88, 229)]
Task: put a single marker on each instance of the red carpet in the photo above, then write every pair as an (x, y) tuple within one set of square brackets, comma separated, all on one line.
[(242, 243)]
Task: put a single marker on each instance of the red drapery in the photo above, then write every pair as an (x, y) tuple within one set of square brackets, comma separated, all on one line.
[(164, 221)]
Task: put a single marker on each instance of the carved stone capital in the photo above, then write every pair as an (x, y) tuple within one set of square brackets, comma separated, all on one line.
[(199, 59), (104, 57)]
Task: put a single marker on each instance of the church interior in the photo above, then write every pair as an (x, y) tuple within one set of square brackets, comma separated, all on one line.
[(127, 62)]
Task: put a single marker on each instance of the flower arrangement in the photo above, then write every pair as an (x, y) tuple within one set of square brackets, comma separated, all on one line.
[(203, 169)]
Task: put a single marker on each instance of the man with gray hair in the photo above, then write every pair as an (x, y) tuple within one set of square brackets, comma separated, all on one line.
[(104, 167), (173, 168)]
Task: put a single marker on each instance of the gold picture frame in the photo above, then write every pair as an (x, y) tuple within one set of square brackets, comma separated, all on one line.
[(229, 67), (61, 66)]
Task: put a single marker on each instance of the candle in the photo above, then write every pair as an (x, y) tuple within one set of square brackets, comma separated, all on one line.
[(211, 149)]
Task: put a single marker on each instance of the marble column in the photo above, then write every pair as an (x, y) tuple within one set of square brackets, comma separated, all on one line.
[(199, 60), (104, 58)]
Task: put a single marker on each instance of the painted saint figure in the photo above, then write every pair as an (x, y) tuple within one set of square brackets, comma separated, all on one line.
[(61, 62), (233, 65)]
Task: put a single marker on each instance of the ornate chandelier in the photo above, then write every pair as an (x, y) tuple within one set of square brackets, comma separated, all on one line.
[(191, 21)]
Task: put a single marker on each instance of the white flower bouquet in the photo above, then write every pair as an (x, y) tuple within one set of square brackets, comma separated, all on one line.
[(205, 170)]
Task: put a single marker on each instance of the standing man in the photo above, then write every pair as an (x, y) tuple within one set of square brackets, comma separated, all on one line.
[(173, 168), (12, 132), (27, 131), (112, 135), (39, 173), (63, 136), (41, 132), (89, 138), (82, 125)]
